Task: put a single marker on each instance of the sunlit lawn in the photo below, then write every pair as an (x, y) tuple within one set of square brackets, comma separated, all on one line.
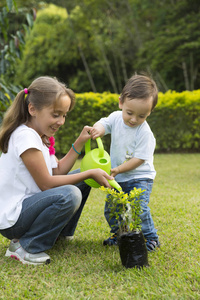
[(84, 269)]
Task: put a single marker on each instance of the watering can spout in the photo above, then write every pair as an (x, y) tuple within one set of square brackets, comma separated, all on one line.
[(115, 184)]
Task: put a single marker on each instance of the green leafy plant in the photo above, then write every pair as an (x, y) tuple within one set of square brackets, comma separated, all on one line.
[(126, 208), (11, 44)]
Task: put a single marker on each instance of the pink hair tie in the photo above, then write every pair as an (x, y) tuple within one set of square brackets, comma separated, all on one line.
[(26, 91), (51, 147)]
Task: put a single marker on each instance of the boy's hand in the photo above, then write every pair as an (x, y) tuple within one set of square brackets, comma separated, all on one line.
[(131, 164), (97, 130), (114, 172)]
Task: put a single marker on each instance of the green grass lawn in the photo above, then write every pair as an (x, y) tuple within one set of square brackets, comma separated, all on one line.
[(84, 269)]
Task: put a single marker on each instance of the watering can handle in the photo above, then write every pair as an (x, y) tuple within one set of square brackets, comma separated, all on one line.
[(100, 145)]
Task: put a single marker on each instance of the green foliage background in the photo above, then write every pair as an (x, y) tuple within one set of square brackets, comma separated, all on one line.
[(175, 121), (89, 108), (97, 45), (12, 34)]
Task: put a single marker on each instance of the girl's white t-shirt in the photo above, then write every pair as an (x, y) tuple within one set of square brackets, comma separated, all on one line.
[(16, 183)]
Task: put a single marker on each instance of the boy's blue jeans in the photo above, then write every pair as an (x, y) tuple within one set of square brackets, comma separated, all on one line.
[(148, 228), (48, 214)]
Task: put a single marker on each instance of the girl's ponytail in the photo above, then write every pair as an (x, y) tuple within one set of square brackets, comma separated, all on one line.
[(16, 115)]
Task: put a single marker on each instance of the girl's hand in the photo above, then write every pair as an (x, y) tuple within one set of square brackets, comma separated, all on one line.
[(84, 135), (101, 177)]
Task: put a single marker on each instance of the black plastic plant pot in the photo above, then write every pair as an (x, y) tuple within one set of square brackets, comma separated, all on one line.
[(133, 250)]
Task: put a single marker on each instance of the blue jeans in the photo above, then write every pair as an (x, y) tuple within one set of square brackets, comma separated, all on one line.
[(48, 214), (148, 228)]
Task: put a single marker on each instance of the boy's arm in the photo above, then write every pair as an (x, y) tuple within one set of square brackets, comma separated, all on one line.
[(131, 164), (97, 130)]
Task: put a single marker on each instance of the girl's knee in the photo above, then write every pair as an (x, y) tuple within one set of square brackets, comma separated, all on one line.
[(77, 198), (69, 198), (73, 196)]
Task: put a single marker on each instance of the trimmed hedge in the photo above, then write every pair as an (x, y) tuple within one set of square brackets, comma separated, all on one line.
[(175, 120), (89, 108)]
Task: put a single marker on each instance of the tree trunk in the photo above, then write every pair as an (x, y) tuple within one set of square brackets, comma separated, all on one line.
[(185, 73), (87, 69)]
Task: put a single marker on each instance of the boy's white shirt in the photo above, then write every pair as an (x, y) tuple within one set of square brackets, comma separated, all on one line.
[(128, 142), (16, 183)]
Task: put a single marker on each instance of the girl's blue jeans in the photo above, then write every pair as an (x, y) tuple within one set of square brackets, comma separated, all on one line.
[(48, 214), (148, 229)]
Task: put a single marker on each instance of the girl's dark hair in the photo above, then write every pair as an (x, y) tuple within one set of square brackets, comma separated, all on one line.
[(43, 91), (140, 87)]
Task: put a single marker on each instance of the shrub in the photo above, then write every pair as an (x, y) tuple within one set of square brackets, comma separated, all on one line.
[(175, 121), (7, 94), (125, 208), (90, 107)]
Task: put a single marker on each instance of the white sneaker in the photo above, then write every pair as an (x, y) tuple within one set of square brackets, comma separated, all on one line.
[(69, 238), (16, 251)]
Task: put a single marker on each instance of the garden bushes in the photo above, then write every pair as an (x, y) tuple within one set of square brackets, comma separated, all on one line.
[(89, 108), (175, 120)]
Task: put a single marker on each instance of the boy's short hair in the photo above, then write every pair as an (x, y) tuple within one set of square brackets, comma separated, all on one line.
[(140, 87)]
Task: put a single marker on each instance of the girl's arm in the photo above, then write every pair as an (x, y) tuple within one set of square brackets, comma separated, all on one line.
[(131, 164), (67, 162), (36, 165)]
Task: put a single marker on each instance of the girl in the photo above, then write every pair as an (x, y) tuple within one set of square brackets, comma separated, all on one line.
[(38, 201)]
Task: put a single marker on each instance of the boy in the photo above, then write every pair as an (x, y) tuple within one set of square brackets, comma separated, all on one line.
[(132, 148)]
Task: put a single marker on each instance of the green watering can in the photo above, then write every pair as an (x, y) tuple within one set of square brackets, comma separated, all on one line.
[(97, 158)]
